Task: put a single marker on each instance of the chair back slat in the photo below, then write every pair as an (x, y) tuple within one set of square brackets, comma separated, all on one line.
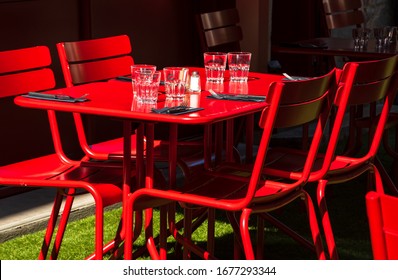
[(29, 65), (95, 60), (35, 80), (220, 30), (220, 19), (89, 49), (110, 68), (343, 13)]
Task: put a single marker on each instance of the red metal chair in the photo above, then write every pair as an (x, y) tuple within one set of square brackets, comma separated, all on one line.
[(25, 70), (100, 60), (231, 188), (383, 225), (360, 83)]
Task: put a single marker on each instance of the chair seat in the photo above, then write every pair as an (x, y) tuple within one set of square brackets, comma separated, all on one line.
[(106, 181), (230, 181)]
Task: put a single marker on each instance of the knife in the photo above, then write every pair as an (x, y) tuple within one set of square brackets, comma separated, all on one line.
[(50, 96)]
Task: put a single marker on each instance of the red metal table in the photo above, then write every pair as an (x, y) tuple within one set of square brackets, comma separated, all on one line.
[(114, 99)]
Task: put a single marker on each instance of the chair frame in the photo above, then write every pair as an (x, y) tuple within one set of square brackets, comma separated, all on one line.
[(28, 69), (376, 78), (381, 209), (247, 195)]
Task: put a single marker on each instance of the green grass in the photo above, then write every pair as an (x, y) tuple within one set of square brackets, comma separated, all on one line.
[(348, 218), (347, 210)]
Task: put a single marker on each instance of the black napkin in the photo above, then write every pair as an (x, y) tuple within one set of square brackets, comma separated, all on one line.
[(55, 97)]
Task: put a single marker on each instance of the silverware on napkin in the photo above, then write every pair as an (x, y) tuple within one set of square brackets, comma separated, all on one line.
[(239, 97), (56, 97), (177, 110)]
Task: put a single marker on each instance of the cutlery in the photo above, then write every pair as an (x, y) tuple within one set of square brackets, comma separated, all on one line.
[(246, 97), (57, 96), (287, 76)]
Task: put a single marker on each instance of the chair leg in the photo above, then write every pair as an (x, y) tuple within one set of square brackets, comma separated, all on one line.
[(211, 223), (245, 234), (260, 238), (163, 232), (51, 226), (187, 231), (233, 220), (325, 220), (63, 223), (316, 235)]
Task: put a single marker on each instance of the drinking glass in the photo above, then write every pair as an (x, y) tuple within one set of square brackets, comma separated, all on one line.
[(139, 68), (215, 64), (239, 65), (175, 82), (361, 37), (147, 85)]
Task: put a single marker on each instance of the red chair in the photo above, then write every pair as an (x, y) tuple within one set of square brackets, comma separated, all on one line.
[(383, 225), (360, 83), (25, 70), (100, 60), (230, 188)]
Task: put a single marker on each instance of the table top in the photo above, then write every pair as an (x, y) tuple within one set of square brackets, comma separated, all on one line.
[(114, 98), (333, 46)]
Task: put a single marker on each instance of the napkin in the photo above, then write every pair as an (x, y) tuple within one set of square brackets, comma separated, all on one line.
[(239, 97), (177, 110), (55, 97)]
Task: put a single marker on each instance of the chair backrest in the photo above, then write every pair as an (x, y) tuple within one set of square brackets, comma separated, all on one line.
[(363, 83), (383, 224), (343, 13), (293, 104), (24, 70), (21, 71), (95, 60), (220, 30)]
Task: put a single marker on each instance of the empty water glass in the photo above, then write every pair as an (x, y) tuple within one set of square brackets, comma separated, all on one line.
[(390, 40), (215, 64), (147, 86), (139, 68), (175, 81), (361, 37), (239, 65)]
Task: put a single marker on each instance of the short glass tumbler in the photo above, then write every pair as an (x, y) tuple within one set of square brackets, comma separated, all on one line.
[(137, 68), (239, 65), (215, 64), (147, 86), (175, 82)]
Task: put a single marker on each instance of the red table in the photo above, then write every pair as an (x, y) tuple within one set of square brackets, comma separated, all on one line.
[(114, 99)]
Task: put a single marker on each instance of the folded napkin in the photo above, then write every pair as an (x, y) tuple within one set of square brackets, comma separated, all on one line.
[(177, 110), (56, 97), (239, 97)]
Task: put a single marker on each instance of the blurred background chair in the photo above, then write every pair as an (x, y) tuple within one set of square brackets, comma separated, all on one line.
[(25, 70), (242, 190), (219, 30), (383, 225), (343, 13)]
